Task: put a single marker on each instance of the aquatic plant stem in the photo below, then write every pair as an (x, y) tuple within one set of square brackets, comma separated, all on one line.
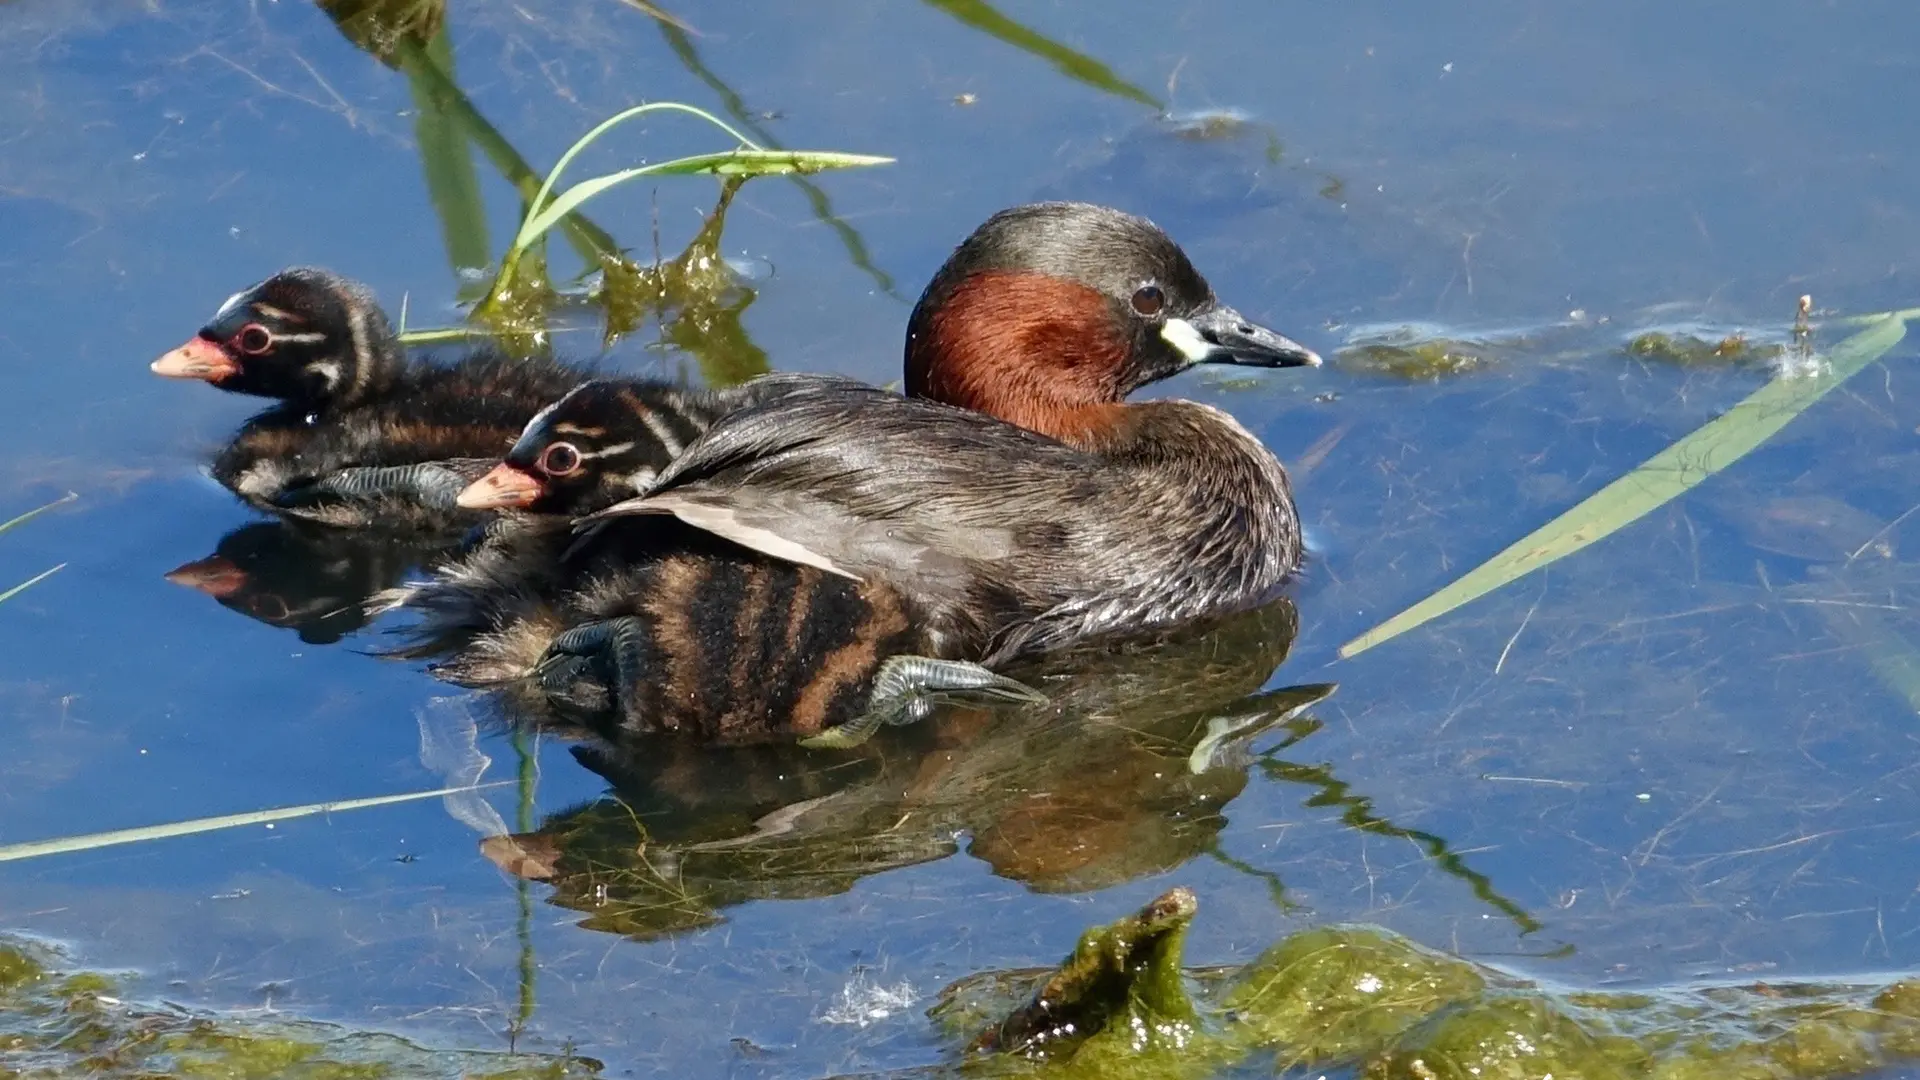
[(446, 161), (681, 44), (1084, 69), (526, 780)]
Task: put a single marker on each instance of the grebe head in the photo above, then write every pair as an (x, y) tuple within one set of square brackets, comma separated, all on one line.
[(1049, 315), (583, 453), (306, 336)]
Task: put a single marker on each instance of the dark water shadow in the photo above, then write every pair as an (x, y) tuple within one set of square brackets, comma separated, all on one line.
[(1081, 68), (410, 36), (1357, 813)]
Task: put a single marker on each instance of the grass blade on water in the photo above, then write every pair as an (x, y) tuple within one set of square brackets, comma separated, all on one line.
[(439, 334), (31, 582), (91, 841), (528, 233), (517, 293), (38, 510), (1662, 478), (746, 162), (22, 520)]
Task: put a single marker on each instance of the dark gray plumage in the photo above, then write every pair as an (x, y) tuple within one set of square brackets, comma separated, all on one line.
[(1014, 499)]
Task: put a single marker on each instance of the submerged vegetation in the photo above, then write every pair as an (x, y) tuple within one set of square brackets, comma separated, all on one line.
[(520, 294), (60, 1023), (518, 297), (1690, 350), (1667, 475), (1405, 353)]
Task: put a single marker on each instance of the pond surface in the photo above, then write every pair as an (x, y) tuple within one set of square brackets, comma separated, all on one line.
[(1688, 753)]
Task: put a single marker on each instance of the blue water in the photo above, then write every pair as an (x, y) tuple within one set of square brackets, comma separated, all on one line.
[(1671, 751)]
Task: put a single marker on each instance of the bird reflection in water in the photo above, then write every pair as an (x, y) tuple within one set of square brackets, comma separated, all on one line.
[(310, 579), (1125, 772)]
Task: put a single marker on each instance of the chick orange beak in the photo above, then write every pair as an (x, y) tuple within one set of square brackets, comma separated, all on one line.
[(197, 359), (504, 487), (215, 575)]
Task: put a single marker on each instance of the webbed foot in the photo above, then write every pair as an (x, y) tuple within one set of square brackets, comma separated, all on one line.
[(428, 483), (605, 656), (907, 688)]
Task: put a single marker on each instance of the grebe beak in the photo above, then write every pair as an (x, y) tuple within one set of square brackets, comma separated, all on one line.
[(197, 359), (1221, 335), (505, 486)]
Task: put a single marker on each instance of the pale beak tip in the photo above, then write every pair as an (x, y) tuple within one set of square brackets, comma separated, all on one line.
[(173, 365), (504, 488), (197, 359)]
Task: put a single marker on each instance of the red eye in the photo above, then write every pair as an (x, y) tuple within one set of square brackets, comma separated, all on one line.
[(253, 339), (560, 459), (1148, 300)]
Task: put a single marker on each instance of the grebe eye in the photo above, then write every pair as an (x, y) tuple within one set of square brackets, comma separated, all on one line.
[(560, 459), (1148, 300), (253, 339)]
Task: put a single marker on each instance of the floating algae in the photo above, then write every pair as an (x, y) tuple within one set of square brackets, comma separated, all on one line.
[(59, 1024), (1690, 350), (1420, 361)]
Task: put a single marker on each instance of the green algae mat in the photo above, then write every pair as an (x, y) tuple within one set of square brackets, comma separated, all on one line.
[(1364, 1002), (1352, 999)]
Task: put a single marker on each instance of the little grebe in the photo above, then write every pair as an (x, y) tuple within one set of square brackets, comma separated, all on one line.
[(362, 436), (595, 446), (1014, 499), (599, 444), (991, 539)]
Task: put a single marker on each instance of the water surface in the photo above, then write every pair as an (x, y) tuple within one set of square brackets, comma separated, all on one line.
[(1682, 754)]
